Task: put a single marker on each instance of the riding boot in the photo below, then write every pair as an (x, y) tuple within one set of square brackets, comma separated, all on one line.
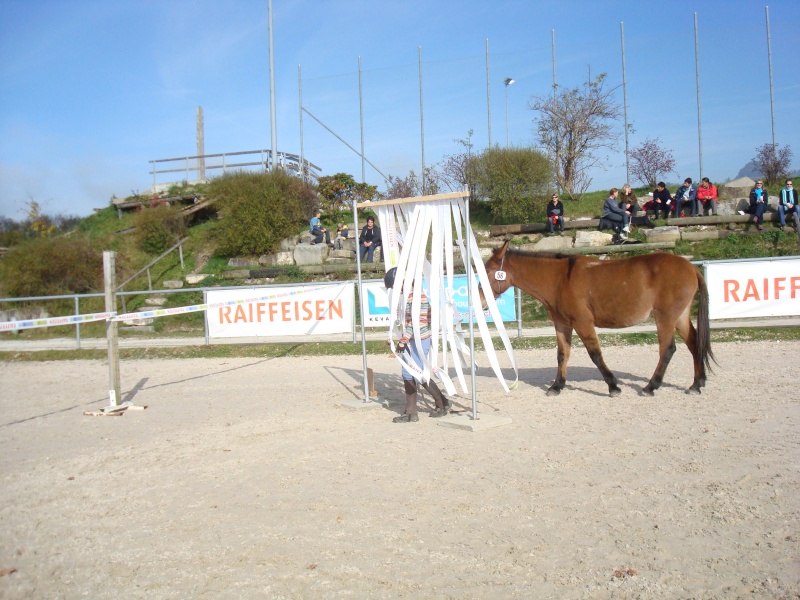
[(440, 400), (410, 416)]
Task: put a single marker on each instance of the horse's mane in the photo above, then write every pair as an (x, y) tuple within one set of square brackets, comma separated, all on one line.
[(537, 254)]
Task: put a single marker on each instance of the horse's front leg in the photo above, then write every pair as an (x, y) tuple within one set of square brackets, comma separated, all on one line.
[(564, 339), (588, 336)]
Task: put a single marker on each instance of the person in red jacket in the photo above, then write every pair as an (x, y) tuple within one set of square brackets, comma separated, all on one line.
[(707, 195)]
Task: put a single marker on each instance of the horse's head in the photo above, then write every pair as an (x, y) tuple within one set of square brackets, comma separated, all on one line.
[(499, 279)]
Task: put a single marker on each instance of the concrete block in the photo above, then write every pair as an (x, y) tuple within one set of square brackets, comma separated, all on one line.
[(279, 259), (553, 243), (308, 254), (156, 301), (196, 278), (242, 263), (585, 239), (705, 234), (238, 274), (289, 243), (668, 233), (342, 254), (173, 284), (333, 260)]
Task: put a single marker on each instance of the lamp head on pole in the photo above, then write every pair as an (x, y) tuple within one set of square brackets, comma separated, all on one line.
[(509, 81)]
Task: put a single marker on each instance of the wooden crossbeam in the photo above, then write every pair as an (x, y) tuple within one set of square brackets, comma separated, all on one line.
[(414, 200)]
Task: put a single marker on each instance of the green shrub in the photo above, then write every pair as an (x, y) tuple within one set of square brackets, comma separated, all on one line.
[(518, 181), (159, 228), (52, 266), (258, 210)]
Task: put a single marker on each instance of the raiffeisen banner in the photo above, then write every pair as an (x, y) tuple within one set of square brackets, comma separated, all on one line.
[(768, 288), (375, 303), (287, 311)]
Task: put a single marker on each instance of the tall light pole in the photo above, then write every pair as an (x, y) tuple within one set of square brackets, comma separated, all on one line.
[(508, 81)]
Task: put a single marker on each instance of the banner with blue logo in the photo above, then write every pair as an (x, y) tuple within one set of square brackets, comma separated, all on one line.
[(375, 303)]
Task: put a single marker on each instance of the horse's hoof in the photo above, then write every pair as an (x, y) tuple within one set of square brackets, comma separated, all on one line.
[(648, 391), (613, 392), (693, 390), (553, 391)]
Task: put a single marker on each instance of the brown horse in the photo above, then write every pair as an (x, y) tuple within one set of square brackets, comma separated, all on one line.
[(581, 293)]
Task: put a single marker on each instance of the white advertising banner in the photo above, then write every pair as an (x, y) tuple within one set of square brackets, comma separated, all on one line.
[(769, 288), (375, 303), (301, 310)]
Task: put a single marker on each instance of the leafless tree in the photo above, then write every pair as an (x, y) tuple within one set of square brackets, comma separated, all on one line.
[(773, 162), (412, 184), (649, 161), (574, 127)]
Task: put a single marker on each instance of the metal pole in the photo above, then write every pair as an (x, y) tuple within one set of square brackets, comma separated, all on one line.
[(471, 311), (300, 99), (205, 317), (421, 122), (201, 161), (625, 102), (77, 325), (488, 94), (273, 126), (555, 102), (771, 90), (109, 276), (361, 301), (697, 71), (506, 113), (519, 312), (555, 85), (361, 123)]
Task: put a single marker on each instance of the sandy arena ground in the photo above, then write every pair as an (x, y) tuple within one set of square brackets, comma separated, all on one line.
[(247, 478)]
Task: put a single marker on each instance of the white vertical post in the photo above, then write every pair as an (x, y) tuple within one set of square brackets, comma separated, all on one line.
[(110, 278), (361, 122), (300, 100), (771, 89), (273, 118), (625, 101), (488, 94), (421, 122), (697, 71)]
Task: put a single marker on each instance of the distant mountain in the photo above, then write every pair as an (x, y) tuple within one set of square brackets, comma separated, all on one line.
[(749, 170)]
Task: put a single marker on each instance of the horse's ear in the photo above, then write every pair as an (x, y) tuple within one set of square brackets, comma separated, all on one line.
[(501, 251)]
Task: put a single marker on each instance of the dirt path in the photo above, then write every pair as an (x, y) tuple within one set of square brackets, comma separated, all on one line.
[(247, 478)]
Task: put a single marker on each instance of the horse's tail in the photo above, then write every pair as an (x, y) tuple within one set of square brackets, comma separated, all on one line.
[(703, 327)]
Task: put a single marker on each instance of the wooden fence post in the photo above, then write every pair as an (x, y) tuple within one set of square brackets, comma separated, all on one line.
[(109, 276)]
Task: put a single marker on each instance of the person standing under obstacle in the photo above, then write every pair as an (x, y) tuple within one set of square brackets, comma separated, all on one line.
[(407, 344)]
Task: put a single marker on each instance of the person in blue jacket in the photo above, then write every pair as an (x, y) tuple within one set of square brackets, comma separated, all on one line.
[(685, 196)]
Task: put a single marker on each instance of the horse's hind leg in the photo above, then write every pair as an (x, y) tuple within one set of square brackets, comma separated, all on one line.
[(666, 348), (564, 339), (689, 334), (588, 336)]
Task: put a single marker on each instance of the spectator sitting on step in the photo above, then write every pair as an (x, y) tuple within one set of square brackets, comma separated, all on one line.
[(662, 200), (555, 214), (317, 230), (788, 204), (616, 215), (758, 203), (686, 195), (707, 195), (341, 234), (370, 239), (630, 203)]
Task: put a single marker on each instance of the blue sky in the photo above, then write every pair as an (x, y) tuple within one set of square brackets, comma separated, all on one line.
[(92, 90)]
